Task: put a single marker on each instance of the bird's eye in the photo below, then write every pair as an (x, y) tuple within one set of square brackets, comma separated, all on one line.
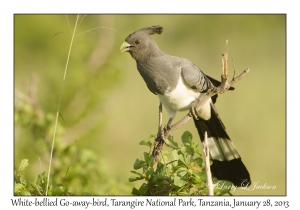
[(137, 41)]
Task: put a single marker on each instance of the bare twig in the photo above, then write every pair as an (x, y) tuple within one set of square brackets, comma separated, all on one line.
[(234, 71), (68, 24), (207, 166), (61, 32), (92, 29), (81, 17), (171, 162)]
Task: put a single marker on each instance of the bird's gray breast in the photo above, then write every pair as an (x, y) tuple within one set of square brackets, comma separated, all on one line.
[(160, 77)]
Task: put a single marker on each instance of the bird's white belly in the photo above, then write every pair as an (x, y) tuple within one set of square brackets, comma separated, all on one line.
[(181, 98)]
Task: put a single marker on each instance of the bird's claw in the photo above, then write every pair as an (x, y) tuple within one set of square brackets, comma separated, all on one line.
[(167, 127), (193, 111)]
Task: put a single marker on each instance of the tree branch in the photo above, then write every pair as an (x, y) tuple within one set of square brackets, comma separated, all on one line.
[(210, 185)]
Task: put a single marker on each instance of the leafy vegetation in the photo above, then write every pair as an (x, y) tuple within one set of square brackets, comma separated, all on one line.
[(37, 187), (180, 172), (74, 167)]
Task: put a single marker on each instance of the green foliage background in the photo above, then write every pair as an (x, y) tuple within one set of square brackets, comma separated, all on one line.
[(109, 110)]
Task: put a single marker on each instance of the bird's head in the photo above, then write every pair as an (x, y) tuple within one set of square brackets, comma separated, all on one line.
[(140, 44)]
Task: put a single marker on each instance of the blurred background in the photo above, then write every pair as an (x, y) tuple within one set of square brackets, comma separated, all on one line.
[(108, 109)]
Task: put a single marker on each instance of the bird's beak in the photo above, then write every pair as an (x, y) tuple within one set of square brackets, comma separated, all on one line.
[(125, 47)]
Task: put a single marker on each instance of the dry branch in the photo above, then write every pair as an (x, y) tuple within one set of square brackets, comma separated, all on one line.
[(210, 185)]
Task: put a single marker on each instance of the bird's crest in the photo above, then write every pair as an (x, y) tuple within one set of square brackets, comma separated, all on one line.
[(155, 30), (149, 31)]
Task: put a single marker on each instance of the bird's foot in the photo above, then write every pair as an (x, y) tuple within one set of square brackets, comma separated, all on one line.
[(161, 136), (161, 133), (193, 111), (166, 128)]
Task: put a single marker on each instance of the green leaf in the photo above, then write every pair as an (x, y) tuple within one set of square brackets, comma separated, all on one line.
[(182, 193), (179, 181), (171, 140), (151, 137), (149, 173), (161, 169), (198, 161), (174, 156), (181, 161), (199, 176), (18, 187), (166, 152), (198, 151), (138, 164), (190, 172), (143, 189), (156, 178), (187, 150), (146, 143), (135, 191), (24, 193), (179, 169), (135, 178), (147, 157), (23, 165), (59, 190), (195, 146), (137, 173), (182, 173), (187, 138), (187, 158)]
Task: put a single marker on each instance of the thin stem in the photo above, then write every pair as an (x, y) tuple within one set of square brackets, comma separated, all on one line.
[(90, 30), (207, 166), (58, 108), (68, 23)]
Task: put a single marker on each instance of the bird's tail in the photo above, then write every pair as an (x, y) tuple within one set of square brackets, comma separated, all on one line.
[(227, 163)]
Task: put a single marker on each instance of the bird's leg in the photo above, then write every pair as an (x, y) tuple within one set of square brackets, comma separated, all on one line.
[(168, 126), (159, 140), (167, 129), (193, 111), (161, 132), (160, 119)]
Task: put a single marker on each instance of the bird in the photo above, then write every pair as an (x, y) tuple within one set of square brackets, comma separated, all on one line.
[(178, 83)]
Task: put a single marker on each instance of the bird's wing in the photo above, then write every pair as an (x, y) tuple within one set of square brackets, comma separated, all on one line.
[(194, 77)]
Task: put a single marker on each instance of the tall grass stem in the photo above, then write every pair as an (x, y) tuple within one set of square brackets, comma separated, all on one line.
[(58, 108)]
